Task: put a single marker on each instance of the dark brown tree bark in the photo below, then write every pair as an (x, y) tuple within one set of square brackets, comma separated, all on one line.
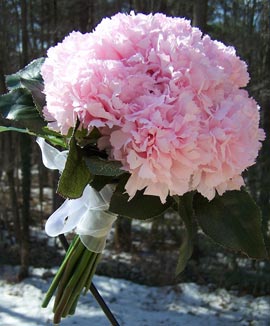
[(264, 194), (10, 166), (200, 14), (122, 236), (55, 22), (24, 33), (2, 78), (83, 9), (26, 148)]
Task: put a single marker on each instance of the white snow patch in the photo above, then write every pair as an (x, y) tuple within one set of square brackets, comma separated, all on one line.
[(134, 305)]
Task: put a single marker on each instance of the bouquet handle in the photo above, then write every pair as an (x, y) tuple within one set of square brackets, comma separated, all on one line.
[(94, 291)]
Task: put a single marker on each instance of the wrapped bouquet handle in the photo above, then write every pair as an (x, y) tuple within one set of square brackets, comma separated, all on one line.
[(110, 316), (90, 218)]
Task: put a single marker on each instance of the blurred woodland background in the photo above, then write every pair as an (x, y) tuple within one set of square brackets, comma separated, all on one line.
[(146, 253)]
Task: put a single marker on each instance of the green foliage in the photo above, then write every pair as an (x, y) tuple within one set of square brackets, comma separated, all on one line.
[(185, 209), (24, 131), (53, 137), (31, 72), (18, 105), (30, 78), (100, 181), (24, 102), (76, 175), (233, 221), (141, 207), (100, 166)]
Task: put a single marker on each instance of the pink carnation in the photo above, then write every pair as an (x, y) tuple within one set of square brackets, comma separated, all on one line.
[(166, 99)]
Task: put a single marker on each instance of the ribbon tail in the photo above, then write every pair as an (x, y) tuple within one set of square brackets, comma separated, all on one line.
[(64, 219), (51, 157)]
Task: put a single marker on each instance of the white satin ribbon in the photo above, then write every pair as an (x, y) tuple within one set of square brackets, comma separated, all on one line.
[(51, 157), (88, 215)]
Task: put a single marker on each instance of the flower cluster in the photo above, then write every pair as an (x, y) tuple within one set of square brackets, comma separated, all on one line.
[(166, 100)]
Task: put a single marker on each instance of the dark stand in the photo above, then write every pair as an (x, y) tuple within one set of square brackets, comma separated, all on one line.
[(94, 291)]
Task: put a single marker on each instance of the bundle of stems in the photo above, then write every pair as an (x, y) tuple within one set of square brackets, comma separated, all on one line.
[(74, 275)]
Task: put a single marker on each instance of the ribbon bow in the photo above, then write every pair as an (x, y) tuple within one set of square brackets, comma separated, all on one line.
[(88, 215)]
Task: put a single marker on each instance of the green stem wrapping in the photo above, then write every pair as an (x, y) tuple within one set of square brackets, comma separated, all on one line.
[(59, 273), (75, 273), (74, 306), (71, 286), (79, 286), (68, 272), (91, 274)]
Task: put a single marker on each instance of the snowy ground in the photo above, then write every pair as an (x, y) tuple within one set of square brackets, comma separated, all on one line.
[(134, 305)]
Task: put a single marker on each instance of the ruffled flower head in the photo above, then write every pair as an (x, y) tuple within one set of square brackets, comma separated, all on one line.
[(166, 99)]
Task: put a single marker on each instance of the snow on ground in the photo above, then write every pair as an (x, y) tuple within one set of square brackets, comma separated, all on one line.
[(134, 305)]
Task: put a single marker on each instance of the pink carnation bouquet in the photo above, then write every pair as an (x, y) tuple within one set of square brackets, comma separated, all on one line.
[(151, 115)]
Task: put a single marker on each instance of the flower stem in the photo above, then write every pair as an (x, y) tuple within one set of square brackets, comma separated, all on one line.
[(59, 273), (69, 268), (70, 288), (74, 306), (75, 273), (91, 274), (79, 286)]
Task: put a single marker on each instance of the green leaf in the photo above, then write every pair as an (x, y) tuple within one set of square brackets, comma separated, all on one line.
[(185, 209), (141, 207), (54, 140), (36, 89), (24, 131), (30, 72), (99, 181), (99, 166), (76, 175), (18, 105), (57, 140), (54, 137), (86, 140), (233, 221), (30, 78)]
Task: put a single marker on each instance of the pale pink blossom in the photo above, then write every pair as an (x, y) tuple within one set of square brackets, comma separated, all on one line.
[(166, 100)]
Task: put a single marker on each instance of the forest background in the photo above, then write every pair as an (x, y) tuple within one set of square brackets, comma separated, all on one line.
[(27, 190)]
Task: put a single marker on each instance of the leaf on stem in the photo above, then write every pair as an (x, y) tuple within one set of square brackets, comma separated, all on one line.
[(100, 166), (185, 209), (141, 207), (18, 105), (76, 175), (30, 78), (24, 131), (29, 72), (233, 220)]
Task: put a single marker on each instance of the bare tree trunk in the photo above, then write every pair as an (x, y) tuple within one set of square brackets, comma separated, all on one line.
[(57, 199), (92, 15), (42, 41), (200, 14), (55, 22), (2, 79), (24, 33), (26, 148), (84, 6), (10, 167), (122, 237), (26, 186), (264, 194)]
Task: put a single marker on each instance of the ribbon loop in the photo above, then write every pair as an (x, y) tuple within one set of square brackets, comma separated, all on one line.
[(94, 228)]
